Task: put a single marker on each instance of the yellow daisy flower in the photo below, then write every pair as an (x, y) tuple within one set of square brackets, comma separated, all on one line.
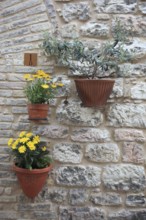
[(10, 141), (22, 149), (31, 145), (22, 134), (27, 76), (45, 86), (29, 135), (60, 84), (24, 140), (36, 139), (53, 86), (44, 148)]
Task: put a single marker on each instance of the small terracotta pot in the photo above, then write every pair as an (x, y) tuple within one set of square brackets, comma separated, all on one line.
[(38, 111), (31, 181), (94, 92)]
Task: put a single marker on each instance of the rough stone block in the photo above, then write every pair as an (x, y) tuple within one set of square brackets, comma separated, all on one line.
[(108, 199), (57, 195), (112, 6), (81, 213), (74, 114), (106, 152), (136, 200), (90, 135), (88, 176), (78, 196), (127, 115), (52, 131), (73, 11), (142, 7), (124, 177), (69, 31), (117, 91), (67, 152), (129, 135), (132, 152), (94, 29), (128, 215), (138, 91)]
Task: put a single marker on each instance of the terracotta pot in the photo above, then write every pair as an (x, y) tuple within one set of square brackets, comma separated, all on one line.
[(38, 111), (31, 181), (93, 92)]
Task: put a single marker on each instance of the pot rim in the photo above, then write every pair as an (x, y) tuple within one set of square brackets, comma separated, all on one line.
[(24, 170)]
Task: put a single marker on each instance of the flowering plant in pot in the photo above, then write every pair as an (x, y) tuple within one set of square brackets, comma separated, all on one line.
[(92, 63), (40, 88), (32, 162)]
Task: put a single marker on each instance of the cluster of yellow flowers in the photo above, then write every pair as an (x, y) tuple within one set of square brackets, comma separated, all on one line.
[(40, 74), (25, 141)]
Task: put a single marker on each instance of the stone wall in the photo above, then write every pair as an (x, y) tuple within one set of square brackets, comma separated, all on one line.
[(99, 156)]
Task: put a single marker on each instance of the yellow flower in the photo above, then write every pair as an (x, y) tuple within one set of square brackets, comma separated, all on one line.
[(31, 145), (29, 135), (15, 143), (24, 140), (36, 139), (44, 148), (22, 134), (60, 84), (22, 149), (45, 86), (10, 141), (27, 76), (53, 85)]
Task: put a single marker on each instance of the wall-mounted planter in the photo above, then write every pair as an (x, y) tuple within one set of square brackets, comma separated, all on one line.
[(38, 111), (93, 92), (31, 181)]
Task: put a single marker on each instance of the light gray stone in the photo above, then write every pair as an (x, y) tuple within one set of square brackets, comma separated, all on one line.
[(108, 199), (73, 11), (74, 114), (138, 91), (136, 24), (67, 153), (78, 196), (136, 200), (129, 135), (6, 118), (117, 89), (128, 215), (94, 29), (106, 152), (88, 176), (56, 195), (19, 7), (69, 31), (8, 215), (127, 115), (52, 131), (90, 135), (137, 48), (142, 7), (132, 152), (113, 6), (81, 213), (124, 177)]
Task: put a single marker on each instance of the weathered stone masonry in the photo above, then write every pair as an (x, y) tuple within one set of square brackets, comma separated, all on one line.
[(99, 169)]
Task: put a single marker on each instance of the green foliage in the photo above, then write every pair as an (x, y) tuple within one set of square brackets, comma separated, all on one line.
[(91, 62)]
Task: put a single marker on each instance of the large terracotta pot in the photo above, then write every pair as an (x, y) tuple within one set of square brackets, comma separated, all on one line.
[(93, 92), (38, 111), (31, 181)]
